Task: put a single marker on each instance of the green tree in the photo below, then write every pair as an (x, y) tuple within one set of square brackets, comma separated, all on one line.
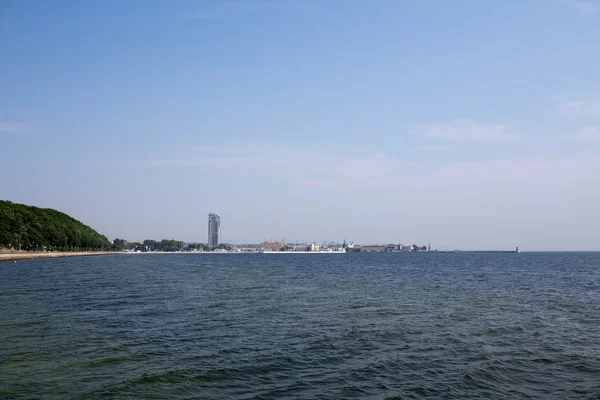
[(33, 228)]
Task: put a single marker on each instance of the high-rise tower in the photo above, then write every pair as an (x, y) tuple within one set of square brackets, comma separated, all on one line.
[(214, 230)]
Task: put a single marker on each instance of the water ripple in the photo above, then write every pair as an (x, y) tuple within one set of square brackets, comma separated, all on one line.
[(387, 326)]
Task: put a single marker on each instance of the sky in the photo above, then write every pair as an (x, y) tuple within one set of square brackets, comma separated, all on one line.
[(465, 124)]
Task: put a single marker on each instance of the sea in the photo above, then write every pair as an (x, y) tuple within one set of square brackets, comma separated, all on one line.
[(306, 326)]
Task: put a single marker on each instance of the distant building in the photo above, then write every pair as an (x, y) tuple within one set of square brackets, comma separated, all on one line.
[(273, 246), (372, 249), (298, 247), (214, 230)]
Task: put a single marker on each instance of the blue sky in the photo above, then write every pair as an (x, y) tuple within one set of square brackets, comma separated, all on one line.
[(468, 124)]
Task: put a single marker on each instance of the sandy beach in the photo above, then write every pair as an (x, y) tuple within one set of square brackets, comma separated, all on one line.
[(25, 255)]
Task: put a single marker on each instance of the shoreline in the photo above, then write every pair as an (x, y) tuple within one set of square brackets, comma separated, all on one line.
[(25, 255)]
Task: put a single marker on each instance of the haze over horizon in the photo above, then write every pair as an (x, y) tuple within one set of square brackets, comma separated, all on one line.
[(465, 124)]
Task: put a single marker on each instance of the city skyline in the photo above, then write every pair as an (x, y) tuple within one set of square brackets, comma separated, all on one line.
[(466, 124)]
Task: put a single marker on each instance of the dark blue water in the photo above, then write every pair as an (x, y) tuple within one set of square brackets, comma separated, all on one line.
[(370, 326)]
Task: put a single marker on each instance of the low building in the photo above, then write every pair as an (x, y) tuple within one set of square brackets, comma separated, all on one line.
[(372, 249), (298, 247), (273, 246)]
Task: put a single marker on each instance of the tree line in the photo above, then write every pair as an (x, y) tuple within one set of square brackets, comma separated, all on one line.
[(169, 245), (149, 245), (31, 228)]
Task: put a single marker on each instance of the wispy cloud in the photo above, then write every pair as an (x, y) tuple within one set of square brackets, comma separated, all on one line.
[(585, 7), (12, 127), (576, 109), (435, 148), (465, 131), (300, 166), (589, 134)]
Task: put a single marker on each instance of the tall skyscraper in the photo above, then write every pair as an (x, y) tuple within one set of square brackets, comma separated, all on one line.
[(214, 230)]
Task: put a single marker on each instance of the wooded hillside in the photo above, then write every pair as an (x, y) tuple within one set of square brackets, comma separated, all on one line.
[(33, 228)]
